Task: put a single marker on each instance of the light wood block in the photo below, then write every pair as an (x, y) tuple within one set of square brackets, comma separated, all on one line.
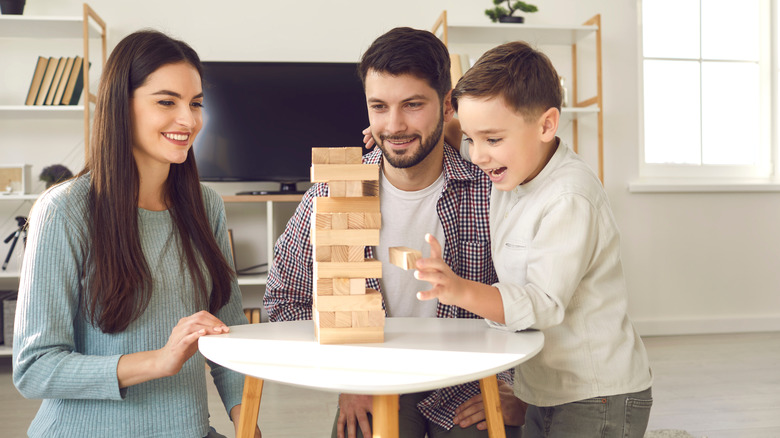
[(346, 205), (404, 257), (357, 286), (343, 319), (341, 286), (323, 254), (373, 220), (371, 300), (339, 221), (369, 268), (337, 189), (323, 286), (345, 237), (320, 156), (354, 155), (370, 318), (353, 189), (356, 253), (353, 335), (322, 221), (356, 221), (324, 319), (339, 253), (337, 156), (344, 172)]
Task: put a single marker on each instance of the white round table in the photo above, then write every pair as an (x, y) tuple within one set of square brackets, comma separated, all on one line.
[(419, 354)]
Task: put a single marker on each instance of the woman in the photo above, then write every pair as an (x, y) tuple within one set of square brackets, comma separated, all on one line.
[(126, 265)]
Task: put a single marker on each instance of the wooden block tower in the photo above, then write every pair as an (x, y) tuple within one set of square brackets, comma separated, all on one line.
[(342, 224)]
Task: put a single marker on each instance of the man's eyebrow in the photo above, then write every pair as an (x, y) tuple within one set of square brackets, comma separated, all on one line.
[(408, 99), (174, 94)]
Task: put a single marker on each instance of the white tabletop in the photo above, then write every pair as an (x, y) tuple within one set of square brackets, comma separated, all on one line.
[(418, 354)]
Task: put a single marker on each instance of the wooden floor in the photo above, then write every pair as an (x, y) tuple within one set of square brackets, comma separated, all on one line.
[(714, 386)]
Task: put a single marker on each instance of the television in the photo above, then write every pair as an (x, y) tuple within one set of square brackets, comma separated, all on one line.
[(261, 119)]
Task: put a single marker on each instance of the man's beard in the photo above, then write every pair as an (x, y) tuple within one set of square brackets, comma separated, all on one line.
[(408, 158)]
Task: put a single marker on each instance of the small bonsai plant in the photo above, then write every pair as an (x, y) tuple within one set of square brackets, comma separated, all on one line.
[(55, 174), (504, 15)]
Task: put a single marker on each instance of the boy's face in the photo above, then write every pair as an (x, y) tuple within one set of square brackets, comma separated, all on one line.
[(509, 149), (406, 117)]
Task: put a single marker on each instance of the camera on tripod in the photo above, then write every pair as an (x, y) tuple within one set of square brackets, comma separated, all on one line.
[(21, 230)]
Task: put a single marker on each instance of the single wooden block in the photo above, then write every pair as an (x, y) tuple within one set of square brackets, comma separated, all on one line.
[(337, 189), (404, 257), (343, 319), (373, 220), (354, 155), (371, 300), (370, 268), (344, 172), (322, 221), (341, 286), (339, 253), (339, 221), (337, 156), (353, 189), (324, 319), (353, 335), (356, 221), (346, 205), (320, 156), (323, 286), (356, 253), (324, 254), (376, 318), (360, 318), (357, 286), (345, 237), (370, 188)]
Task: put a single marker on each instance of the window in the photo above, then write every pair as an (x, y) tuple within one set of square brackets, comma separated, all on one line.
[(706, 88)]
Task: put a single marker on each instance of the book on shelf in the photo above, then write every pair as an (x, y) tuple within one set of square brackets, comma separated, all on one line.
[(55, 82), (51, 69), (35, 85), (63, 81), (72, 92)]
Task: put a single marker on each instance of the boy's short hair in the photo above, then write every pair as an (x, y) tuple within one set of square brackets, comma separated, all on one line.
[(404, 50), (515, 71)]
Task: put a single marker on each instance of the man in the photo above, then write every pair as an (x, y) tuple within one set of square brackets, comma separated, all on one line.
[(425, 187)]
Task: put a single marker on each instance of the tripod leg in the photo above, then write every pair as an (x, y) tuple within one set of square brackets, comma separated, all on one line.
[(10, 251)]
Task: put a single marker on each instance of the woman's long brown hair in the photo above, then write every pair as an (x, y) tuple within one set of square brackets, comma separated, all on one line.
[(117, 277)]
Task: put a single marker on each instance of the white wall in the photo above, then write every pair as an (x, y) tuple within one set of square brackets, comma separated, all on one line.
[(694, 262)]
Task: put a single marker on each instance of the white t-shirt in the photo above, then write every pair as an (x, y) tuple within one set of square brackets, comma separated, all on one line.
[(406, 218)]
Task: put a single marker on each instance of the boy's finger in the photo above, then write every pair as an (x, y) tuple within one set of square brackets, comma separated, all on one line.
[(435, 247)]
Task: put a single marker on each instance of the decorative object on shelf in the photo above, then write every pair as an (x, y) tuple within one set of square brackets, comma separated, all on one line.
[(55, 174), (15, 180), (12, 7), (564, 93), (13, 238), (505, 15)]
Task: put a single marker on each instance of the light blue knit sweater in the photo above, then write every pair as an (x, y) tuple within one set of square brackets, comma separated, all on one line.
[(60, 357)]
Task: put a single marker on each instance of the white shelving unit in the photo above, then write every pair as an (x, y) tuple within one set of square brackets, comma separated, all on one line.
[(456, 35)]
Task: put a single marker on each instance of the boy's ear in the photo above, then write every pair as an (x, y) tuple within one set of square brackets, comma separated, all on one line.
[(449, 110), (550, 119)]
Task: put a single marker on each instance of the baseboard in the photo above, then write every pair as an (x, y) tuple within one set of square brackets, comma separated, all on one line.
[(697, 326)]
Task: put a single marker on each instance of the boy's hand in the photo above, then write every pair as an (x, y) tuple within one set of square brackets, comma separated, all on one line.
[(368, 139), (447, 286)]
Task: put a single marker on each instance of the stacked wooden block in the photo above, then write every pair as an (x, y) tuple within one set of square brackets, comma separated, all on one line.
[(342, 224)]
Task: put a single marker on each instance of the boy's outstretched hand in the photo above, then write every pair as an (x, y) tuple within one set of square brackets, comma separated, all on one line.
[(478, 298), (447, 286)]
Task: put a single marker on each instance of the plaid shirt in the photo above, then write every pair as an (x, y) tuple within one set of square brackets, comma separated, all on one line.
[(463, 211)]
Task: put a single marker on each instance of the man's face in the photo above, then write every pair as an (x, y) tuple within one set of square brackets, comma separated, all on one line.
[(406, 116)]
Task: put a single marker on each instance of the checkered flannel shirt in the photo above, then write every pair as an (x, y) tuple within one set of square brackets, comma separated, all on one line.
[(463, 210)]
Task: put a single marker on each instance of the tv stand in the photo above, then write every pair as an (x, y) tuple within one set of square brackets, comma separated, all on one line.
[(285, 189)]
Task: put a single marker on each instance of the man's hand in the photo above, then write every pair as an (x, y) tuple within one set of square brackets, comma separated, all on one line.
[(473, 410), (354, 409)]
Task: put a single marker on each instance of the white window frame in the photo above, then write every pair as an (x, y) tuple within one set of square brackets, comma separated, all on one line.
[(696, 174)]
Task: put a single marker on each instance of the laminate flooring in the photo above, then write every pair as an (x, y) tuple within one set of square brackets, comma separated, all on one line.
[(713, 386)]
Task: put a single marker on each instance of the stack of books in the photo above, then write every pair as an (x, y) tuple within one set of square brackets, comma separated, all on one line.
[(56, 81)]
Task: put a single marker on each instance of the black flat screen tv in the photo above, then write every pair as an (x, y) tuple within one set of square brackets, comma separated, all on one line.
[(261, 119)]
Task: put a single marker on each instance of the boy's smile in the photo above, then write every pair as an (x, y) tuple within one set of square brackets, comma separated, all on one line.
[(508, 148)]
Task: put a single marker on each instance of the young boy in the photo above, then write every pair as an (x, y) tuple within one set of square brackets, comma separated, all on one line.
[(556, 249)]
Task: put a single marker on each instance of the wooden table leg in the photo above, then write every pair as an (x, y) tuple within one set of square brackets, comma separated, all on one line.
[(493, 415), (385, 416), (250, 407)]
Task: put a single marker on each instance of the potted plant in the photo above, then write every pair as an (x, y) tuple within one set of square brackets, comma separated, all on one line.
[(55, 174), (12, 7), (504, 15)]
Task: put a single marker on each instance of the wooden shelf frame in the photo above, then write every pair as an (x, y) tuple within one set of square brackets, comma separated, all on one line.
[(497, 33)]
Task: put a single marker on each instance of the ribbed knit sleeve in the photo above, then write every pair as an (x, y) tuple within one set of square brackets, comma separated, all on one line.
[(46, 364), (229, 383)]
